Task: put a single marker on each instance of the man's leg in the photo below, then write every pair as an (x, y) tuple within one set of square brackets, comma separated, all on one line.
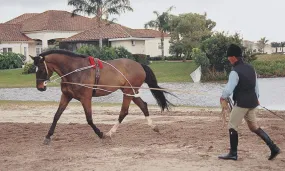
[(236, 117), (253, 126)]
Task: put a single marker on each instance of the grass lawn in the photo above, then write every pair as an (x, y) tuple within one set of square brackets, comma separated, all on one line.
[(271, 57), (15, 78), (164, 72), (173, 71)]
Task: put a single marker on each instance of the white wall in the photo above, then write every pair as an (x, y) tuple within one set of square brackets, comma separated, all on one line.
[(17, 47), (152, 47), (48, 35), (137, 48)]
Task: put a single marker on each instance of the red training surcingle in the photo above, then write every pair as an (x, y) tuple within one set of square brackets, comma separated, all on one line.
[(92, 62)]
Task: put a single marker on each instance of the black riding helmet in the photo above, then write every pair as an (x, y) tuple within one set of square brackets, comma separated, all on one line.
[(234, 50)]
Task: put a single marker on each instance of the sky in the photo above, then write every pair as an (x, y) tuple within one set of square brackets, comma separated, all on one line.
[(253, 19)]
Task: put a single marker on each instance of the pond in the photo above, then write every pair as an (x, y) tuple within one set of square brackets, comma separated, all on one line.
[(272, 91)]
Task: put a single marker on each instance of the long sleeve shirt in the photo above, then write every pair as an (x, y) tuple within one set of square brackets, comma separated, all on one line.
[(232, 83)]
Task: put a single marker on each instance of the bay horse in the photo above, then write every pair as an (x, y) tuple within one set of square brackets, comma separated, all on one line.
[(118, 74)]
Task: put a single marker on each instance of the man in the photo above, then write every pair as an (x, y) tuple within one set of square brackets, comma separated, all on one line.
[(243, 84)]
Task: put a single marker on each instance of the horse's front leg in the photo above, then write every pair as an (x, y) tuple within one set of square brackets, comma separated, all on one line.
[(86, 103), (123, 113), (65, 99)]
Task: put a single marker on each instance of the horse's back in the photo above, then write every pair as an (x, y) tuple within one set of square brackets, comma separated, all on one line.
[(131, 69)]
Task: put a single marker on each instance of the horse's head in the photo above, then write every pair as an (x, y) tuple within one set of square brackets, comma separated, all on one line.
[(42, 72)]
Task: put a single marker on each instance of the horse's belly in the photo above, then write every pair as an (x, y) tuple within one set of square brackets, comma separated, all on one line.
[(104, 92)]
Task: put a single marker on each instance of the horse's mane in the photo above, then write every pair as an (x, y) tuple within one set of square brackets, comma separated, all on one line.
[(63, 52)]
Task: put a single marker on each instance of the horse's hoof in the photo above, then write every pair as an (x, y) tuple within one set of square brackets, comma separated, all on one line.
[(47, 141), (106, 136), (155, 128)]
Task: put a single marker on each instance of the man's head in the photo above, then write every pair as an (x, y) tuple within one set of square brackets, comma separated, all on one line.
[(234, 53)]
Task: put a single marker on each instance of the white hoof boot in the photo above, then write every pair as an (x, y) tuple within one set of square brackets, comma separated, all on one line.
[(47, 141)]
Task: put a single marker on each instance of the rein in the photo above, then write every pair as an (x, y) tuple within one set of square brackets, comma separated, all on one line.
[(86, 85), (91, 86)]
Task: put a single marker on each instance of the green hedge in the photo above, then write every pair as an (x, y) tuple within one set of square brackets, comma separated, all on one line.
[(10, 61), (106, 53), (29, 68), (110, 53), (270, 68)]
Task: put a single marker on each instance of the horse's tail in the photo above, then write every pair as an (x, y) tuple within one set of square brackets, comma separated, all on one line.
[(151, 81)]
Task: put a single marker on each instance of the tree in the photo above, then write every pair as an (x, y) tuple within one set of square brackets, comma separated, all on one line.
[(190, 30), (275, 45), (101, 9), (216, 47), (282, 44), (162, 24), (262, 43)]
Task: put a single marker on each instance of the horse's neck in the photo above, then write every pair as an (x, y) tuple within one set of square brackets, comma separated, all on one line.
[(67, 65)]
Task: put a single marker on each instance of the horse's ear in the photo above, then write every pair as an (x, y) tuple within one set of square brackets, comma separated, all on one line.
[(33, 58)]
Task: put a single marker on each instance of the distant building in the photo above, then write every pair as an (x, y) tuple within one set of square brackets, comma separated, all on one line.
[(30, 33)]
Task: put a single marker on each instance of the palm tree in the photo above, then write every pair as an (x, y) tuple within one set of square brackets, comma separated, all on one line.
[(282, 44), (262, 43), (101, 9), (162, 24), (275, 45)]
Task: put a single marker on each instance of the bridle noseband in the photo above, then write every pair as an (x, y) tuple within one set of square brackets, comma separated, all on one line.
[(47, 77)]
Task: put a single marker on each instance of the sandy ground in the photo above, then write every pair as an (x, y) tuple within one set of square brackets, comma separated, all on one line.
[(189, 139)]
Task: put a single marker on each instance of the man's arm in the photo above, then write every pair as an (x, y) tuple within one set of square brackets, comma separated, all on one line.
[(231, 85)]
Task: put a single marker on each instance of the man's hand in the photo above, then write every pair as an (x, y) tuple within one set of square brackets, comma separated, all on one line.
[(224, 104)]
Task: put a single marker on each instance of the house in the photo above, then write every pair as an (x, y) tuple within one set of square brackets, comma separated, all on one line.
[(12, 39), (30, 33), (254, 47), (136, 41)]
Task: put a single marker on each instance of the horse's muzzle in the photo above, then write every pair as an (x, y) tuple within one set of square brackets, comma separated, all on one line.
[(42, 89)]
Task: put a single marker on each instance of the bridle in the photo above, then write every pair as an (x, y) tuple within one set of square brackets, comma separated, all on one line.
[(47, 73)]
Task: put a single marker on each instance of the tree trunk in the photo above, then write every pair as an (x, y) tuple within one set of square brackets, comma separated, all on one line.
[(162, 45), (100, 42), (99, 26)]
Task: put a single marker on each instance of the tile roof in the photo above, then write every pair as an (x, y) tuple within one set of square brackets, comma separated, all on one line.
[(12, 32), (148, 33), (20, 19), (57, 21), (113, 31)]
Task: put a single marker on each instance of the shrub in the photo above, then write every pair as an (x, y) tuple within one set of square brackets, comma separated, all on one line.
[(106, 53), (270, 68), (214, 76), (89, 50), (174, 58), (10, 61), (29, 68), (201, 59), (216, 47), (156, 58), (123, 53), (141, 58)]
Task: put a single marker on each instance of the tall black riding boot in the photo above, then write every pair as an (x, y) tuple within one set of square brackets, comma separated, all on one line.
[(232, 155), (273, 147)]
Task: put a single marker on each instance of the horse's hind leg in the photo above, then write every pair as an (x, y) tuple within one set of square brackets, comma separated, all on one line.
[(86, 103), (123, 113), (62, 105), (143, 106)]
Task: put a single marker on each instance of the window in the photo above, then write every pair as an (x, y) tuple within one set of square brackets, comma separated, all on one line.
[(6, 50), (133, 42), (159, 46), (38, 51)]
